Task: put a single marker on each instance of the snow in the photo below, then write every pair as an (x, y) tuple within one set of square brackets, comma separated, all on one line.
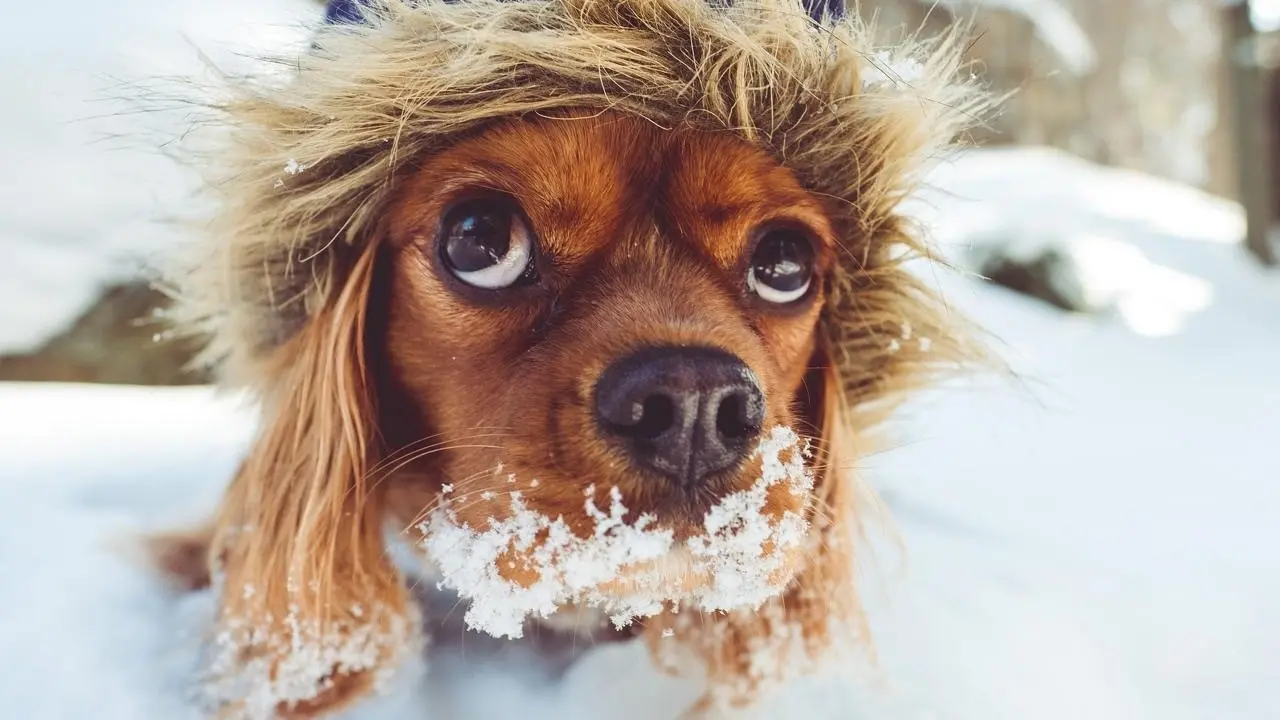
[(255, 687), (624, 567), (883, 69), (1121, 257), (86, 201), (1265, 14), (567, 569)]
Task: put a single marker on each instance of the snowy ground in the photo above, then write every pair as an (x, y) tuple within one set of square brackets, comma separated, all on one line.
[(1101, 546)]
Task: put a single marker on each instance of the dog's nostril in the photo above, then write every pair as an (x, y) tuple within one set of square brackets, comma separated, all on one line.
[(653, 416), (734, 419)]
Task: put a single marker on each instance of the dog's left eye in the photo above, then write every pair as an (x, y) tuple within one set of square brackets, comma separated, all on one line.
[(781, 266), (487, 244)]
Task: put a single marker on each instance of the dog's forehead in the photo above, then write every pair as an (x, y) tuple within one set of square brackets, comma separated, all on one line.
[(588, 182)]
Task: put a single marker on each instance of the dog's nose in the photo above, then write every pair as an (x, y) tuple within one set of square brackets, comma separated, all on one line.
[(680, 412)]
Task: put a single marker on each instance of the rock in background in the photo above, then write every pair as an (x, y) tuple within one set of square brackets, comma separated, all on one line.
[(119, 339)]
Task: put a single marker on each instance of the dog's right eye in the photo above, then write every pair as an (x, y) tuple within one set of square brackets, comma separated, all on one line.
[(781, 268), (487, 244)]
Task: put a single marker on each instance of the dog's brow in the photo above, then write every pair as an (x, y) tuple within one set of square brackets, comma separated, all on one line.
[(718, 212), (495, 169)]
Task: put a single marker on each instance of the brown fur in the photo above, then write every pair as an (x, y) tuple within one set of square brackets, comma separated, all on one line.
[(182, 556), (650, 234), (645, 140)]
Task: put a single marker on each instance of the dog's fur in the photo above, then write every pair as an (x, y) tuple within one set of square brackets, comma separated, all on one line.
[(645, 141)]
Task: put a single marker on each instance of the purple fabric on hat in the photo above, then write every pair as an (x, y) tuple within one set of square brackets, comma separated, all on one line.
[(348, 11)]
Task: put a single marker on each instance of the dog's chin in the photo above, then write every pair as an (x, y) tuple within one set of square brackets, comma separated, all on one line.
[(677, 581), (519, 562), (682, 579), (678, 578)]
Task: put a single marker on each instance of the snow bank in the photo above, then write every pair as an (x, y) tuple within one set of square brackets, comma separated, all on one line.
[(1117, 241), (86, 201)]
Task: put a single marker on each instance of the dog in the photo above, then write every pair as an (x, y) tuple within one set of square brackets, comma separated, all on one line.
[(594, 304)]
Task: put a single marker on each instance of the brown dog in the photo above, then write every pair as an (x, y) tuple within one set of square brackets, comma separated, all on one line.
[(590, 301)]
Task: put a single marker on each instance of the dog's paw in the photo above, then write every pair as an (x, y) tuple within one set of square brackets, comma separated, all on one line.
[(300, 669), (180, 557)]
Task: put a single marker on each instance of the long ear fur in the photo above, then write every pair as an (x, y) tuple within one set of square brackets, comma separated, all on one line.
[(312, 609)]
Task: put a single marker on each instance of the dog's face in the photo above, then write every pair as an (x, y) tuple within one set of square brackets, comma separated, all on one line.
[(581, 303)]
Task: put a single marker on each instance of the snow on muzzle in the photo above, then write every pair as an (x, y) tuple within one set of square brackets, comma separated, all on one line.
[(629, 570)]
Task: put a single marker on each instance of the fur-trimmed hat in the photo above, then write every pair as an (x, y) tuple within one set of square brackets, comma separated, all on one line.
[(350, 11), (308, 161)]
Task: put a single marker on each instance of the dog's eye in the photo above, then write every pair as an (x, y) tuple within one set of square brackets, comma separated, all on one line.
[(486, 243), (782, 266)]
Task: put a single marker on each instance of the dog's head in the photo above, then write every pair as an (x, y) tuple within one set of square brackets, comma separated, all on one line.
[(598, 293), (586, 302)]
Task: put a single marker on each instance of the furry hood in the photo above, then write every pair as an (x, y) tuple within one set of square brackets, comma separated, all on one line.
[(305, 162)]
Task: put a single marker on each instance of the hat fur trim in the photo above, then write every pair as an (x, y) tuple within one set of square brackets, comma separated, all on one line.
[(305, 163)]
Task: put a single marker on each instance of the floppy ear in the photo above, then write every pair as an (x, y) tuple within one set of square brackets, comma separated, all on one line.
[(312, 609), (823, 603)]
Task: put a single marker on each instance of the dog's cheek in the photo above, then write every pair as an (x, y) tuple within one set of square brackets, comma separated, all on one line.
[(455, 361), (781, 499), (790, 343), (549, 442)]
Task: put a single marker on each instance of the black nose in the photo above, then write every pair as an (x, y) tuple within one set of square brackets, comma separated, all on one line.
[(680, 412)]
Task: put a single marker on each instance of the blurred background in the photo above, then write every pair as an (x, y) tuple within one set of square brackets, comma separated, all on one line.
[(1099, 547)]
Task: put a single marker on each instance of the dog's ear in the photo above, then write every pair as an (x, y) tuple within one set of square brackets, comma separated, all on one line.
[(823, 601), (312, 608)]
